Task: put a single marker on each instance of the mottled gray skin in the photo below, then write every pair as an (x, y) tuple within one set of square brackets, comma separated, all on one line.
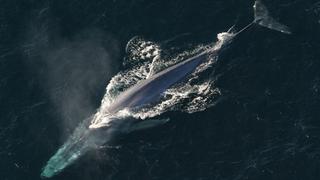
[(149, 90)]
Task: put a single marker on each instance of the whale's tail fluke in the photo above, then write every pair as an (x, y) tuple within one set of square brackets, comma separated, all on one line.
[(262, 18)]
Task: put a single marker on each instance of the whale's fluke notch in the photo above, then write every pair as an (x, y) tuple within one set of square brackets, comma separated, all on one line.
[(263, 18)]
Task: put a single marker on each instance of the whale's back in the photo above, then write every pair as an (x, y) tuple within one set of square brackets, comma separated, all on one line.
[(149, 90)]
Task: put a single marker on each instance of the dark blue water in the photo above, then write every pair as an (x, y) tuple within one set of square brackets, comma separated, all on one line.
[(56, 58)]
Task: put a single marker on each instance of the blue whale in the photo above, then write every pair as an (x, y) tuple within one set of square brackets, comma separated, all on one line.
[(144, 92)]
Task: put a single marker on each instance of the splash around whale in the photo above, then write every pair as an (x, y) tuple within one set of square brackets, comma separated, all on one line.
[(149, 91)]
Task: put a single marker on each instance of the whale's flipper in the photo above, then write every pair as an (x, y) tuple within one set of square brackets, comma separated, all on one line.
[(262, 17)]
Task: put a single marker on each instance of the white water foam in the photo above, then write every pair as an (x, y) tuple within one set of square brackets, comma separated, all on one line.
[(145, 58)]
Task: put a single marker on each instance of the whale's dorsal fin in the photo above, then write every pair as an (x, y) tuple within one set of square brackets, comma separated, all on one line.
[(262, 18)]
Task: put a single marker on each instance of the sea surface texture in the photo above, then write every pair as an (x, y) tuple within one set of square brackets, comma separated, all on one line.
[(251, 112)]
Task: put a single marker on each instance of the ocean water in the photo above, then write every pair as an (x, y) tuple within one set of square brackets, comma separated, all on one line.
[(259, 121)]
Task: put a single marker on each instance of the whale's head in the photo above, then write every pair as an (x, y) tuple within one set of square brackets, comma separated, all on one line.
[(73, 148), (82, 140), (85, 139)]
